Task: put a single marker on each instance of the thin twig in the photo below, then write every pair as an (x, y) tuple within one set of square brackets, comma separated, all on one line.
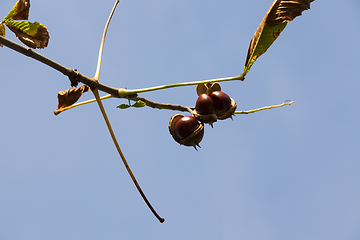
[(97, 73), (102, 109), (264, 108), (148, 103), (158, 105), (60, 110), (96, 94)]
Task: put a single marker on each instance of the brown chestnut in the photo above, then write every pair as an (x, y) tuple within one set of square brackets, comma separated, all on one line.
[(204, 104), (221, 100), (224, 105), (185, 126), (228, 113), (186, 130), (204, 109)]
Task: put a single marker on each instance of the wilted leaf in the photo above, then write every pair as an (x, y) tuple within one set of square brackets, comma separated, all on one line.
[(139, 104), (280, 13), (20, 11), (34, 35), (70, 96), (123, 106), (2, 31)]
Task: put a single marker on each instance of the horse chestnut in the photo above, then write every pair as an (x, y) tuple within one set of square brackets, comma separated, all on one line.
[(204, 104), (186, 130), (204, 109), (221, 100), (185, 126)]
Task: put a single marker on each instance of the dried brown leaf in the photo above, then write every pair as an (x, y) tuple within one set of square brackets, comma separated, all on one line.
[(69, 97), (286, 10)]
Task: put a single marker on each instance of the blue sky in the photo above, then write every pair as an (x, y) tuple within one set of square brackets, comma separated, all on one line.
[(287, 173)]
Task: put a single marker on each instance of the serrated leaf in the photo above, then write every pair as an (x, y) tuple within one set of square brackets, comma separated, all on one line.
[(139, 104), (2, 31), (34, 35), (280, 13), (69, 97), (20, 11), (123, 106)]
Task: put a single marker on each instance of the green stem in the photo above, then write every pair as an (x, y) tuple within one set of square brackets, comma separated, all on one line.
[(264, 108), (124, 92)]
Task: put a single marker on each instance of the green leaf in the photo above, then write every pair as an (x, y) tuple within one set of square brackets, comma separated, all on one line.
[(34, 35), (263, 39), (139, 104), (280, 13), (20, 11), (123, 106), (2, 31)]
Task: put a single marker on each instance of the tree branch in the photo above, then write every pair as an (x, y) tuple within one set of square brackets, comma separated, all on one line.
[(73, 75), (76, 77), (167, 106)]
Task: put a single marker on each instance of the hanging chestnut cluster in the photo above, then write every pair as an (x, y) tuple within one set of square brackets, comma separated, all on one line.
[(211, 105)]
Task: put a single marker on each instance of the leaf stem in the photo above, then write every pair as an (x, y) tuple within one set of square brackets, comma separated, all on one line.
[(124, 92), (97, 73), (102, 109)]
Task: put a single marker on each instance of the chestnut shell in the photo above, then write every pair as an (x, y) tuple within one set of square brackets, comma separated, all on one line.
[(205, 118), (207, 88)]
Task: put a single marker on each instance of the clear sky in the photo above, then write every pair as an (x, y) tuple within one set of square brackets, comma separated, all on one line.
[(280, 174)]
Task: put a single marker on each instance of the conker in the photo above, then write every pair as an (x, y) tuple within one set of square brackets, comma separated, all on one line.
[(221, 100), (224, 105), (185, 126), (205, 109), (186, 130), (204, 104)]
